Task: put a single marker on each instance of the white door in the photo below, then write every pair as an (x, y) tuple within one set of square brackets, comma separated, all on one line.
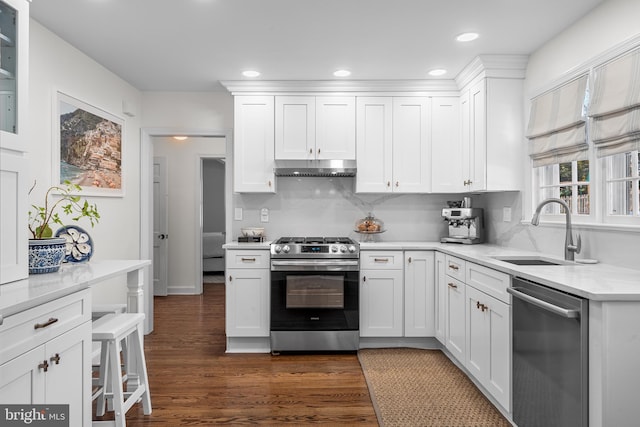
[(160, 227)]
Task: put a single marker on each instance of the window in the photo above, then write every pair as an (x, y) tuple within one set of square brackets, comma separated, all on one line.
[(568, 181), (622, 184)]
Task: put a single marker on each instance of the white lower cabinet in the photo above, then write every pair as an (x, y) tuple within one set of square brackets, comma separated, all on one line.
[(419, 294), (247, 293), (381, 300), (488, 343), (455, 338), (440, 276), (397, 294), (46, 356)]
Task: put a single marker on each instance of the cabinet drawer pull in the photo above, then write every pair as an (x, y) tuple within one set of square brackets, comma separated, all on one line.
[(453, 267), (452, 285), (410, 260), (364, 278), (248, 259), (55, 359), (44, 365), (49, 322), (230, 278), (381, 259)]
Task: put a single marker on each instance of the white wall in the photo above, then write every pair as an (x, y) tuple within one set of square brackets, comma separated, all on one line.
[(184, 172), (610, 24), (57, 66)]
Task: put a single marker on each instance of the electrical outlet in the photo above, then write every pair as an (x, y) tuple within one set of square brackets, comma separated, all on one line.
[(264, 215), (237, 215), (506, 214)]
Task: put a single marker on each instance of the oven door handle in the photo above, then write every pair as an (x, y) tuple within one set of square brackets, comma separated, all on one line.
[(517, 292), (315, 263)]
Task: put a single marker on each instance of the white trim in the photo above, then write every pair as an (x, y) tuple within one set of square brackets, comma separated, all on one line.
[(586, 226)]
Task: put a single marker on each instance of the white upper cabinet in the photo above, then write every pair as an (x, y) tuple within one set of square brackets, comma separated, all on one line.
[(336, 127), (446, 162), (253, 149), (14, 73), (295, 127), (411, 144), (315, 127), (374, 144), (492, 135), (394, 145)]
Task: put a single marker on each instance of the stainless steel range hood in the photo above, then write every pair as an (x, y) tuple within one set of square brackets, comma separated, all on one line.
[(315, 168)]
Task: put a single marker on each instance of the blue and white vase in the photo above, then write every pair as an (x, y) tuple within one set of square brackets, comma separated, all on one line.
[(46, 255)]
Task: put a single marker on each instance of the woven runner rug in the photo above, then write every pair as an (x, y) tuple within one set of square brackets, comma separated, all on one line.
[(412, 387)]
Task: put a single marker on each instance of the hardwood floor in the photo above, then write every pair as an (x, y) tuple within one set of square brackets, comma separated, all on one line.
[(194, 382)]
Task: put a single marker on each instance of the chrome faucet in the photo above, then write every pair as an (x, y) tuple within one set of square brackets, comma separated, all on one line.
[(569, 248)]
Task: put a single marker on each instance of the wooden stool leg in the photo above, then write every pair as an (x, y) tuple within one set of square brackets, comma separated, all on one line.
[(103, 380), (142, 369), (116, 384)]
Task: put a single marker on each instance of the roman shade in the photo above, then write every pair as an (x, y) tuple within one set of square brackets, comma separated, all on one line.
[(615, 105), (557, 129)]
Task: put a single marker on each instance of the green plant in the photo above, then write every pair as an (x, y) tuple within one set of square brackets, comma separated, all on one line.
[(42, 217)]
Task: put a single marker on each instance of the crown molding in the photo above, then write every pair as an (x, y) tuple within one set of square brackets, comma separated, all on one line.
[(497, 66), (238, 87)]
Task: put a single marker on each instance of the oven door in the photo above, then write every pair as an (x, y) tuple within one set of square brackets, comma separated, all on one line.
[(313, 295)]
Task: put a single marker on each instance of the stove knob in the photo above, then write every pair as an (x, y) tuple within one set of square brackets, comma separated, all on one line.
[(333, 248), (286, 249), (343, 248), (352, 248), (277, 249)]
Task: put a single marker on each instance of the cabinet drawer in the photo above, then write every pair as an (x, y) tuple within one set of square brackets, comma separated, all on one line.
[(455, 267), (375, 260), (247, 259), (489, 281), (30, 328)]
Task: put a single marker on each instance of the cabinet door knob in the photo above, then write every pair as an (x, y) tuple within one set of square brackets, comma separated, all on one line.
[(55, 359), (452, 285), (318, 151), (230, 278), (409, 260), (269, 183), (364, 278), (310, 150), (397, 183), (44, 366)]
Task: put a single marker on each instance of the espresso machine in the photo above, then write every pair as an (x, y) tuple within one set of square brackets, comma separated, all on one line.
[(465, 223)]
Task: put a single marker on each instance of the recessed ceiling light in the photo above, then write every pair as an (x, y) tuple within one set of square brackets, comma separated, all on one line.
[(251, 73), (342, 73), (437, 72), (179, 138), (467, 37)]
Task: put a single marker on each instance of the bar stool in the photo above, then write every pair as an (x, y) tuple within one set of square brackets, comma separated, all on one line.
[(110, 331)]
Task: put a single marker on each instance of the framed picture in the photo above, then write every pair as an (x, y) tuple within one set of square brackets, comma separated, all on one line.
[(87, 147)]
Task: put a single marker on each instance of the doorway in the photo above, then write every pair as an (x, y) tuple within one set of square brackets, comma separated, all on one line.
[(189, 216)]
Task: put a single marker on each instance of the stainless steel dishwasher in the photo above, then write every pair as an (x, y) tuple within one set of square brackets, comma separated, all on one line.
[(550, 356)]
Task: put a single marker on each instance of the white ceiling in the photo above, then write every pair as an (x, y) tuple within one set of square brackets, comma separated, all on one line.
[(189, 45)]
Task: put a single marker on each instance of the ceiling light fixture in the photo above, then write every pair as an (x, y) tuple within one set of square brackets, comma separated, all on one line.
[(467, 37), (437, 72), (251, 73), (342, 73), (179, 138)]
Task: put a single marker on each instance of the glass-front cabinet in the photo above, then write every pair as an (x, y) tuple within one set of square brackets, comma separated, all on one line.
[(13, 64), (14, 72)]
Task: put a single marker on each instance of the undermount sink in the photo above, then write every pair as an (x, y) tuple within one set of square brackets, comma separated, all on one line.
[(531, 260)]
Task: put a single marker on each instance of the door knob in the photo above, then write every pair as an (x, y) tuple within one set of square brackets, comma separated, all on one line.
[(162, 236)]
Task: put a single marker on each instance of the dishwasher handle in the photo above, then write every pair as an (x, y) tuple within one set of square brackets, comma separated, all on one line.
[(568, 313)]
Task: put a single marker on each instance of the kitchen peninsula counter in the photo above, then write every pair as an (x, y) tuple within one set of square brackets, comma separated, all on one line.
[(596, 282), (42, 288)]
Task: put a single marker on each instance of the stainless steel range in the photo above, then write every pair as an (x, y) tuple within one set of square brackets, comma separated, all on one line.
[(314, 294)]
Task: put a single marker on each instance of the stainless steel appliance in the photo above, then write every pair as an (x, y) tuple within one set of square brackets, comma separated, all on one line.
[(314, 294), (466, 225), (550, 356)]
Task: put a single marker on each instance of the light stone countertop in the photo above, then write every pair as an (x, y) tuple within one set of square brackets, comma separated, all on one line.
[(41, 288), (598, 282)]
